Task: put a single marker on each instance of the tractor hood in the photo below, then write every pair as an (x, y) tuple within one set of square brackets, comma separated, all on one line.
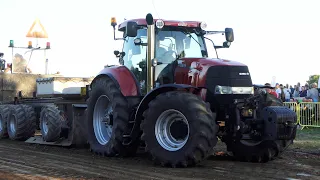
[(208, 62), (207, 72)]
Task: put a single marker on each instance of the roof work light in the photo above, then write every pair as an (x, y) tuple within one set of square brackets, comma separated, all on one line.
[(159, 23), (113, 21), (203, 25)]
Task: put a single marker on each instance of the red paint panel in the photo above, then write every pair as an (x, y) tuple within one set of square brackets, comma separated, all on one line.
[(125, 79), (166, 23)]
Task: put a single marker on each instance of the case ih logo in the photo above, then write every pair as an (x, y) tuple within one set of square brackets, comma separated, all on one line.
[(244, 74), (182, 24)]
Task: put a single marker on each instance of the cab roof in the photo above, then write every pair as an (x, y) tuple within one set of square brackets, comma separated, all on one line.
[(143, 22)]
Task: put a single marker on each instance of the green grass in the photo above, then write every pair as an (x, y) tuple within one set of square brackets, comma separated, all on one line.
[(307, 139)]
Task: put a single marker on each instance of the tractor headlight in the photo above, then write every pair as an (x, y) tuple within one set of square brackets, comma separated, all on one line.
[(233, 90)]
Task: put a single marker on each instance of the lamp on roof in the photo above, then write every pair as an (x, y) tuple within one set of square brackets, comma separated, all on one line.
[(30, 44), (113, 22), (203, 25), (159, 23), (48, 45), (11, 43)]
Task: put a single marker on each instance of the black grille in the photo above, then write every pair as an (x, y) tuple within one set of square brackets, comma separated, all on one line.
[(226, 76)]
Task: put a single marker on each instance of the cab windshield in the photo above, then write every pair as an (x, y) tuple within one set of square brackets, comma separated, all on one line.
[(171, 43), (177, 42)]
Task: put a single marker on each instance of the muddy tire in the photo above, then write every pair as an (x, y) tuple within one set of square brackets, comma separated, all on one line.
[(21, 123), (192, 128), (107, 118), (4, 115), (50, 123), (260, 153), (253, 151)]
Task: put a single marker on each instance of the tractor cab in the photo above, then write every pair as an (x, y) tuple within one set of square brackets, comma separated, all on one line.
[(158, 46)]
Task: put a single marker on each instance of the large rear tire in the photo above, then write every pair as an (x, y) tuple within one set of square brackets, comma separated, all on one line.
[(4, 115), (107, 118), (21, 124), (179, 129), (50, 123), (263, 151)]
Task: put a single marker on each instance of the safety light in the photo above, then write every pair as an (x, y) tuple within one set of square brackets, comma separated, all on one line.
[(203, 25), (11, 43), (159, 23), (113, 21), (30, 44), (48, 45)]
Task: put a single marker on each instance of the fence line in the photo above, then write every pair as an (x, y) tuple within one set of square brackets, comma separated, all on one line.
[(308, 113)]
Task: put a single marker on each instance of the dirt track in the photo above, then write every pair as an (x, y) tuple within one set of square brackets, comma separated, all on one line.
[(19, 160)]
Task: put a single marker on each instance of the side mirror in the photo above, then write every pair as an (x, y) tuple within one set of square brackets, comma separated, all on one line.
[(132, 29), (229, 34)]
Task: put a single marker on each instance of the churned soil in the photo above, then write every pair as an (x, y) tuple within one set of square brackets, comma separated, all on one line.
[(21, 161)]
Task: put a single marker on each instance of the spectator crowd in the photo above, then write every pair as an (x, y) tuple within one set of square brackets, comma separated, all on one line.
[(309, 93)]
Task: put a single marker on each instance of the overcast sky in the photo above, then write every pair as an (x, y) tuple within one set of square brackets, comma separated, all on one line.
[(274, 38)]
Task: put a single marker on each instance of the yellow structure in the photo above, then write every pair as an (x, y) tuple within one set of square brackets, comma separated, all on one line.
[(37, 30)]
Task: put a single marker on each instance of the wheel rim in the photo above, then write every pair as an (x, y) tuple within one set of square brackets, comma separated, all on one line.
[(44, 126), (12, 125), (103, 119), (172, 130), (1, 128)]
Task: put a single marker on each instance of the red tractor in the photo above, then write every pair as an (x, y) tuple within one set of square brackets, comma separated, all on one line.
[(169, 95)]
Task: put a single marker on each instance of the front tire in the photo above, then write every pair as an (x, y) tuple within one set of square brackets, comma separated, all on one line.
[(107, 118), (179, 129)]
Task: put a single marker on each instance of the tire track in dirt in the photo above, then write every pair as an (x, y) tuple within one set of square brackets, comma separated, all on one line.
[(31, 168), (67, 163), (279, 168), (78, 164), (192, 172)]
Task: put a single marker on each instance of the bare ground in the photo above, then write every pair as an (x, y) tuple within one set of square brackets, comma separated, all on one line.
[(19, 160)]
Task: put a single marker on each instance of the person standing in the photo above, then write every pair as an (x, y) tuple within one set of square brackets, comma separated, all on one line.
[(287, 93), (296, 92), (269, 90), (278, 90), (313, 93)]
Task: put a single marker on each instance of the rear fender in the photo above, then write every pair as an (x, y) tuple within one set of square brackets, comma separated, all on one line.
[(123, 78), (155, 92)]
